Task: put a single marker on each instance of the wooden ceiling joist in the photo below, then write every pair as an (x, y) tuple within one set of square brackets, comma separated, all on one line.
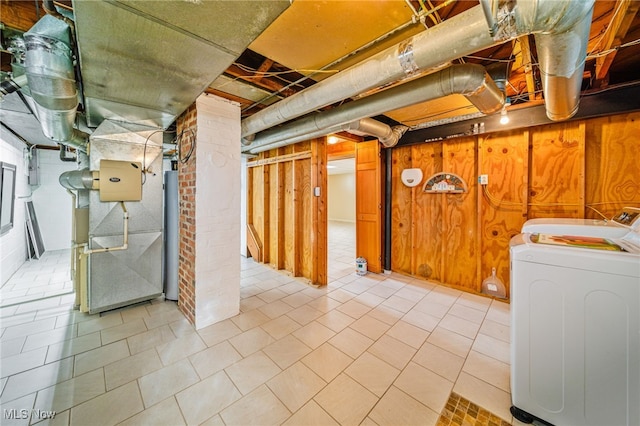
[(615, 33)]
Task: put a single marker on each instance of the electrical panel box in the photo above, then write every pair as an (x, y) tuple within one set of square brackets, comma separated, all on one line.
[(120, 180)]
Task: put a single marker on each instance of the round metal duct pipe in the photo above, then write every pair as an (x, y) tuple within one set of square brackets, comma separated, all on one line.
[(561, 21)]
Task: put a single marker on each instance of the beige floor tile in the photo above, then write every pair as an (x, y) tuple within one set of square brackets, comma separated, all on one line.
[(252, 372), (304, 314), (131, 368), (480, 303), (275, 309), (164, 413), (341, 296), (22, 362), (408, 333), (346, 400), (383, 290), (311, 415), (134, 312), (324, 304), (370, 327), (450, 341), (167, 381), (59, 419), (219, 332), (414, 294), (420, 319), (385, 314), (372, 373), (493, 347), (248, 320), (485, 395), (271, 295), (499, 312), (280, 327), (214, 421), (443, 295), (250, 303), (11, 347), (398, 408), (297, 299), (25, 326), (489, 369), (399, 304), (182, 327), (73, 347), (314, 334), (461, 326), (353, 308), (126, 398), (439, 361), (392, 351), (327, 361), (219, 392), (251, 341), (286, 351), (369, 299), (99, 357), (351, 342), (150, 339), (296, 385), (180, 348), (122, 331), (50, 337), (164, 317), (99, 323), (30, 381), (261, 407), (432, 308), (17, 406), (424, 385), (72, 392), (466, 312), (335, 320), (214, 359), (496, 330)]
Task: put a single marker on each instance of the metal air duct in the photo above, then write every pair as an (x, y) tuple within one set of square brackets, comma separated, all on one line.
[(469, 80), (51, 79), (560, 22)]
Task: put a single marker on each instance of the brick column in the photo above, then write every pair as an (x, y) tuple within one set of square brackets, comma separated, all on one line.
[(209, 192)]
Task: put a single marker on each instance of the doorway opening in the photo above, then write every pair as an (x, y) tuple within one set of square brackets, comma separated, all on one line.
[(341, 220)]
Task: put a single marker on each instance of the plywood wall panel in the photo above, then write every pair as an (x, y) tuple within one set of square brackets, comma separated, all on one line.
[(556, 182), (612, 140), (503, 201), (428, 225), (459, 216), (401, 208)]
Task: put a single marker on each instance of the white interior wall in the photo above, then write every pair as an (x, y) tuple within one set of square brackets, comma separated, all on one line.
[(217, 210), (13, 246), (51, 201), (342, 197)]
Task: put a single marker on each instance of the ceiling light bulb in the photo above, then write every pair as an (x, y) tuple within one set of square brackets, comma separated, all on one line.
[(504, 118)]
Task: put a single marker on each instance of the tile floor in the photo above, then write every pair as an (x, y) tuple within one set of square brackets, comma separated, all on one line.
[(374, 349)]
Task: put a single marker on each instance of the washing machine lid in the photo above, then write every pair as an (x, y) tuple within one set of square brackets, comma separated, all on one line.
[(565, 226)]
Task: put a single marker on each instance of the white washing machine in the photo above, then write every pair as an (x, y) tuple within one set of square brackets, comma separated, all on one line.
[(575, 328), (617, 227)]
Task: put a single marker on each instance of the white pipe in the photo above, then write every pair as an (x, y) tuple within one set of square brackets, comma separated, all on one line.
[(456, 37), (469, 80), (125, 238)]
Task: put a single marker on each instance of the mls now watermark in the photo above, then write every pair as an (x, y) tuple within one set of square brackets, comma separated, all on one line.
[(16, 414)]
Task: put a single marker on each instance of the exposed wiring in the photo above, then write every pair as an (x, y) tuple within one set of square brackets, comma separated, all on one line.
[(180, 141), (613, 49), (497, 202), (145, 170)]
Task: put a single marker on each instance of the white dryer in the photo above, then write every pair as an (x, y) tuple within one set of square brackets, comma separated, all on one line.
[(575, 328)]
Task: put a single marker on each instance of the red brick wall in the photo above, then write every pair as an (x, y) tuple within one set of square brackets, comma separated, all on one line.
[(186, 130)]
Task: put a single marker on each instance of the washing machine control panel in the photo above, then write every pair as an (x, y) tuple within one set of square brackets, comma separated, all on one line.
[(629, 217)]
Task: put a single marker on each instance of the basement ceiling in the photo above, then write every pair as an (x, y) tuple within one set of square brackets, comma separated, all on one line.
[(140, 75)]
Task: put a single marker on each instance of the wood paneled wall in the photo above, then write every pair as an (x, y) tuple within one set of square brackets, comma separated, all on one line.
[(559, 170), (290, 222)]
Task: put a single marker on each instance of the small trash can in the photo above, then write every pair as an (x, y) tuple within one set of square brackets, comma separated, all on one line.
[(361, 266)]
